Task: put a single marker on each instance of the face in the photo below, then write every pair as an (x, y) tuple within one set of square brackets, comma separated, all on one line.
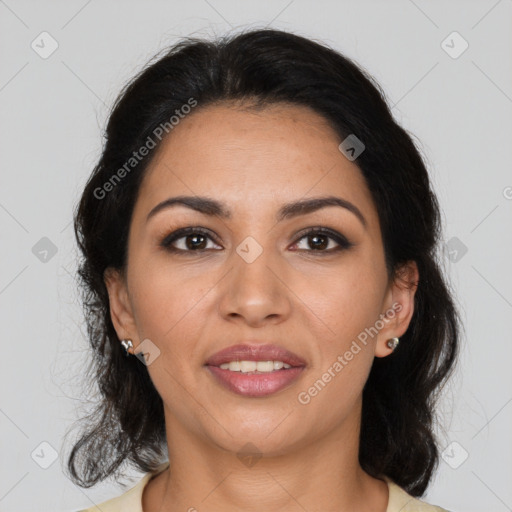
[(310, 282)]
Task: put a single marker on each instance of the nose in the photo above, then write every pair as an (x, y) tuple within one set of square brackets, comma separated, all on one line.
[(254, 292)]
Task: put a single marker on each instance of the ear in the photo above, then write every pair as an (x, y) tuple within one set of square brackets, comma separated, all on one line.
[(120, 308), (398, 307)]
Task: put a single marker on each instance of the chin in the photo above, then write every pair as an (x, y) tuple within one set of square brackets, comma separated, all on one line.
[(262, 437)]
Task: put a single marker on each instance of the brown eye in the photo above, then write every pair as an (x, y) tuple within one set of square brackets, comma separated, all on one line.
[(321, 240), (187, 240), (318, 241), (195, 241)]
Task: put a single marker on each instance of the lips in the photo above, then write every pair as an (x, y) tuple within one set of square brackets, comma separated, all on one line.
[(246, 352), (255, 384)]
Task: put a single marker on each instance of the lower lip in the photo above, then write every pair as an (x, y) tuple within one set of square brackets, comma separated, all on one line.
[(256, 384)]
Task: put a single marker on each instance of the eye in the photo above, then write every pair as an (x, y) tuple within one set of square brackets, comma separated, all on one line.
[(319, 240), (194, 240)]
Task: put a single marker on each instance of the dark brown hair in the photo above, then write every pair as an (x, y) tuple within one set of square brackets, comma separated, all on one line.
[(268, 66)]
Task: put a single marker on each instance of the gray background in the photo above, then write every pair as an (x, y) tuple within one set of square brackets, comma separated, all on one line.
[(53, 110)]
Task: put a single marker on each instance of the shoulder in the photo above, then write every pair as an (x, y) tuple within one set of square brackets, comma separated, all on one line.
[(131, 500), (401, 501)]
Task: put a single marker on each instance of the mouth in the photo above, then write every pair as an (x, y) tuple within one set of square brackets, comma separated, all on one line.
[(255, 370), (255, 366)]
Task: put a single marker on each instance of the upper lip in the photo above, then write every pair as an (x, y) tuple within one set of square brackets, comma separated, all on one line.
[(248, 352)]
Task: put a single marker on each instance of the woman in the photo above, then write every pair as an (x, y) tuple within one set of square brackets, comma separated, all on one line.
[(261, 286)]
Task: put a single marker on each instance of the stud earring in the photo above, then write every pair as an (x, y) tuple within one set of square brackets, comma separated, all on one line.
[(392, 343), (127, 344)]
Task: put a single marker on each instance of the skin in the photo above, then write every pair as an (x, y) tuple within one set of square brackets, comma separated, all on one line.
[(195, 304)]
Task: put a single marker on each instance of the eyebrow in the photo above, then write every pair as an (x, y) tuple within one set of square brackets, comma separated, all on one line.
[(212, 207)]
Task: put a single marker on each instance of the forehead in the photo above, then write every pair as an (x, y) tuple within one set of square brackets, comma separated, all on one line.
[(252, 157)]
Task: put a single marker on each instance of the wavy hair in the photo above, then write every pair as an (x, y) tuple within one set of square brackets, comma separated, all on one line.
[(264, 67)]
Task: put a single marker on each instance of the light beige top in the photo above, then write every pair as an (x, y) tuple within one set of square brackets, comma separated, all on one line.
[(131, 500)]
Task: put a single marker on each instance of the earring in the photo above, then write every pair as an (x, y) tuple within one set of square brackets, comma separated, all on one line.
[(127, 344), (392, 343)]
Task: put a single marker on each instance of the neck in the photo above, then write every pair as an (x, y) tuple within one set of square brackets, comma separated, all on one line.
[(321, 475)]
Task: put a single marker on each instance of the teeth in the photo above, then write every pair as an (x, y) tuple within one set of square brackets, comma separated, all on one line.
[(254, 366), (248, 366)]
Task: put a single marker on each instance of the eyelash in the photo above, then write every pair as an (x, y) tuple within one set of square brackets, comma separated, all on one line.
[(342, 242)]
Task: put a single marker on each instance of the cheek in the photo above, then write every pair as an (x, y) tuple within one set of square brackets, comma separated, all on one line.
[(346, 306), (344, 299), (167, 302)]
